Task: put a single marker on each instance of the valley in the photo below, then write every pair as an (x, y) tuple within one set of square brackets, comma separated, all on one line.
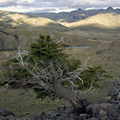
[(97, 28)]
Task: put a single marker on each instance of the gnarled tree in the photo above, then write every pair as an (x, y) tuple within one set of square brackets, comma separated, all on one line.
[(51, 73)]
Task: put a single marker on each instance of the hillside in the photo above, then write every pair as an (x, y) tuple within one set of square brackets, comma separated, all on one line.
[(21, 20), (105, 21), (105, 54), (99, 31), (16, 28)]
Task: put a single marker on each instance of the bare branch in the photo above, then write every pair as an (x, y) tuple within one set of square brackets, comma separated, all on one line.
[(89, 93), (52, 35), (85, 63), (72, 83), (61, 39), (89, 88), (80, 79), (20, 56), (55, 39)]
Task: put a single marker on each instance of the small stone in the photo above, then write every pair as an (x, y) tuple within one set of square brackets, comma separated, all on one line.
[(102, 112)]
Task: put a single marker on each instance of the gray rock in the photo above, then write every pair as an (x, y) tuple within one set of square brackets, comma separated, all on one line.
[(33, 117), (83, 116), (6, 113)]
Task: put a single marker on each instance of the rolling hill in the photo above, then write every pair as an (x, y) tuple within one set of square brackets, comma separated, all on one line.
[(16, 28), (105, 21), (21, 20)]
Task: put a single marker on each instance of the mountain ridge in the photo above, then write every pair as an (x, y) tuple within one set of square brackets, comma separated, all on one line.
[(75, 15)]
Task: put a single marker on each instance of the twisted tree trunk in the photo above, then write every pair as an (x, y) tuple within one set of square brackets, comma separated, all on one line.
[(58, 88), (66, 93)]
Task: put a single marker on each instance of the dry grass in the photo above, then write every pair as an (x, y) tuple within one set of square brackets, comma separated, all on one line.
[(105, 54), (23, 102), (25, 19)]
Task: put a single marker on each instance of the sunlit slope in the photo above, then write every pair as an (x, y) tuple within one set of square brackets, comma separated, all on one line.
[(22, 20), (106, 21), (19, 29)]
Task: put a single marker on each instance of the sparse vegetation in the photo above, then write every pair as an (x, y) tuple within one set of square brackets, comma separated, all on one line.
[(21, 21), (56, 75), (105, 52)]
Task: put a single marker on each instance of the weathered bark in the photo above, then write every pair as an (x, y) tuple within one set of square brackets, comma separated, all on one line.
[(63, 91), (39, 81)]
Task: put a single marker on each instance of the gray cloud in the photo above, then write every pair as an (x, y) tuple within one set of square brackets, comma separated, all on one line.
[(54, 5), (7, 3), (76, 3)]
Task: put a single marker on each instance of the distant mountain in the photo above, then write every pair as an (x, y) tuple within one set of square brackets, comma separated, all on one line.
[(74, 16), (23, 28)]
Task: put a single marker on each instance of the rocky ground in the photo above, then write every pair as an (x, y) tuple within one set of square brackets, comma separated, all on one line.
[(107, 108), (101, 111)]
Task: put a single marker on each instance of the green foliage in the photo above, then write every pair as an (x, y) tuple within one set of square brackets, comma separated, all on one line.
[(5, 63), (92, 74), (98, 86), (66, 83), (46, 49), (12, 84), (41, 93), (72, 64), (22, 73), (8, 62), (13, 69), (1, 83)]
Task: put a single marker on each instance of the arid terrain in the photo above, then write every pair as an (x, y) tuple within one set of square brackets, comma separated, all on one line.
[(98, 29)]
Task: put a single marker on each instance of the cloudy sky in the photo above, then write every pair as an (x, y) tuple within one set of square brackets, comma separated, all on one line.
[(55, 5)]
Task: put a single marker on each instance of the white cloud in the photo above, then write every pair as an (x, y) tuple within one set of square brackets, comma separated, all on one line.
[(22, 1), (4, 1), (54, 5), (14, 9)]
